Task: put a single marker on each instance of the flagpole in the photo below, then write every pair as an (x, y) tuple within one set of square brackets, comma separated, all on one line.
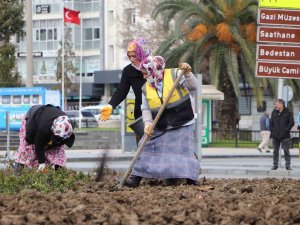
[(80, 75), (69, 16), (63, 63)]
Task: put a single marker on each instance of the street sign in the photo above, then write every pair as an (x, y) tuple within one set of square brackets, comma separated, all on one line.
[(34, 54), (278, 35), (278, 52), (41, 9), (287, 4), (278, 69), (287, 93), (279, 17)]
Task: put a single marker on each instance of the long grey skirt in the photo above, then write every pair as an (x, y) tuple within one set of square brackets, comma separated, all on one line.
[(169, 155)]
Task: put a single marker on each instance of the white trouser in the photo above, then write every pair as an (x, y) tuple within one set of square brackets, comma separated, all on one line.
[(265, 136)]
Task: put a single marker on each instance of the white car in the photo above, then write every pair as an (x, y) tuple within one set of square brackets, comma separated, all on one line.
[(116, 115), (87, 119)]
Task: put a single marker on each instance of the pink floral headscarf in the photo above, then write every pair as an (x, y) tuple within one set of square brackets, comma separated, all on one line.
[(155, 66), (62, 127), (140, 47)]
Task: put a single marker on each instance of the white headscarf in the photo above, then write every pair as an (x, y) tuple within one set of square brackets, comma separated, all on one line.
[(62, 127)]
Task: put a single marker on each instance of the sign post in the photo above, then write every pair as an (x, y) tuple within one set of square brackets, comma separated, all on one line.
[(284, 4), (287, 94), (278, 38)]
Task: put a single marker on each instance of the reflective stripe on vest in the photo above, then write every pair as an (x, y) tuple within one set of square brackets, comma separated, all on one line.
[(179, 95)]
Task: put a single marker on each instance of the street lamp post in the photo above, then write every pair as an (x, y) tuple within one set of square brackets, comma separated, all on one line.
[(29, 76)]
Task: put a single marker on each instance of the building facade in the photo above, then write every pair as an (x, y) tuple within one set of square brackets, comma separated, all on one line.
[(97, 48)]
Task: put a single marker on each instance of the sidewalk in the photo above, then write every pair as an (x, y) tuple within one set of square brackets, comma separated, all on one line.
[(206, 153), (215, 162)]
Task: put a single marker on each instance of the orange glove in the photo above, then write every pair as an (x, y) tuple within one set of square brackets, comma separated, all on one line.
[(186, 68), (148, 129), (106, 112)]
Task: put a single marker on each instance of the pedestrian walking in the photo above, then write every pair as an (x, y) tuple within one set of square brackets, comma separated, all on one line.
[(281, 123), (264, 133)]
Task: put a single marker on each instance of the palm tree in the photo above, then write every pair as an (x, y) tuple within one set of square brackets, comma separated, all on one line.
[(222, 33)]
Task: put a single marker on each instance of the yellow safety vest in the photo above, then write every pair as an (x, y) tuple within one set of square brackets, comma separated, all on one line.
[(179, 95)]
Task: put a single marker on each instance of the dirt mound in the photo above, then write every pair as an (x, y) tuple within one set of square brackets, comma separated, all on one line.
[(215, 201)]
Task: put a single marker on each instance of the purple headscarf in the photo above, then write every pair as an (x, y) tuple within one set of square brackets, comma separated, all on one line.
[(140, 47)]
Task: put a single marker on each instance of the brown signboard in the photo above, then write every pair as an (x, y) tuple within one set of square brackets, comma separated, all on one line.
[(278, 70), (279, 17), (278, 35), (278, 52)]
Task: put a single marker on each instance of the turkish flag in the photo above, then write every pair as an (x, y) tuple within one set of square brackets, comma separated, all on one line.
[(71, 16)]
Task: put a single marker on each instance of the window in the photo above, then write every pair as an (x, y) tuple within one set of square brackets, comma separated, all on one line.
[(111, 54), (17, 99), (88, 34), (111, 18), (35, 66), (244, 104), (55, 34), (91, 34), (43, 23), (45, 34), (96, 33), (50, 35), (26, 99), (19, 38), (37, 35), (131, 16), (35, 99), (35, 24), (6, 99)]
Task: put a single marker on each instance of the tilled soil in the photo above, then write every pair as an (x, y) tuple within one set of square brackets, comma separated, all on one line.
[(215, 201)]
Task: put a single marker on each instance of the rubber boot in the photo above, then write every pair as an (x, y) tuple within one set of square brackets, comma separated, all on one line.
[(18, 167), (133, 181), (57, 167), (192, 182), (171, 181)]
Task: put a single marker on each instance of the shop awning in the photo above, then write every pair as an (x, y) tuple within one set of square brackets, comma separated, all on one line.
[(210, 92)]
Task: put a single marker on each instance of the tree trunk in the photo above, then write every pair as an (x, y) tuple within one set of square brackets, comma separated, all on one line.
[(226, 111)]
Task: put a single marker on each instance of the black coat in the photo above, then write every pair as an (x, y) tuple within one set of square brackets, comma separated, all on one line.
[(39, 121), (131, 77), (281, 124)]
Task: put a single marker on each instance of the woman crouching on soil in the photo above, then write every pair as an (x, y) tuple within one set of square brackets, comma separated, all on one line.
[(43, 133), (169, 154)]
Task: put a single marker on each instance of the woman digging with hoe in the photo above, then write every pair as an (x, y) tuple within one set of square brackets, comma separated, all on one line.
[(169, 154)]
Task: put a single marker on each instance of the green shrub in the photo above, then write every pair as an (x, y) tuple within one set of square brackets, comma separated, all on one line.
[(51, 180)]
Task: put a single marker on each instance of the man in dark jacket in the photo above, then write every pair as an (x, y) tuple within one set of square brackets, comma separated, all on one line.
[(282, 121)]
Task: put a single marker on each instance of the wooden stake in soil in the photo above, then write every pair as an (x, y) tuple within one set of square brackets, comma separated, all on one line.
[(100, 169)]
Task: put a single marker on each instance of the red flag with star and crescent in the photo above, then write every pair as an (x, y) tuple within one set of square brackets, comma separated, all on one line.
[(71, 16)]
